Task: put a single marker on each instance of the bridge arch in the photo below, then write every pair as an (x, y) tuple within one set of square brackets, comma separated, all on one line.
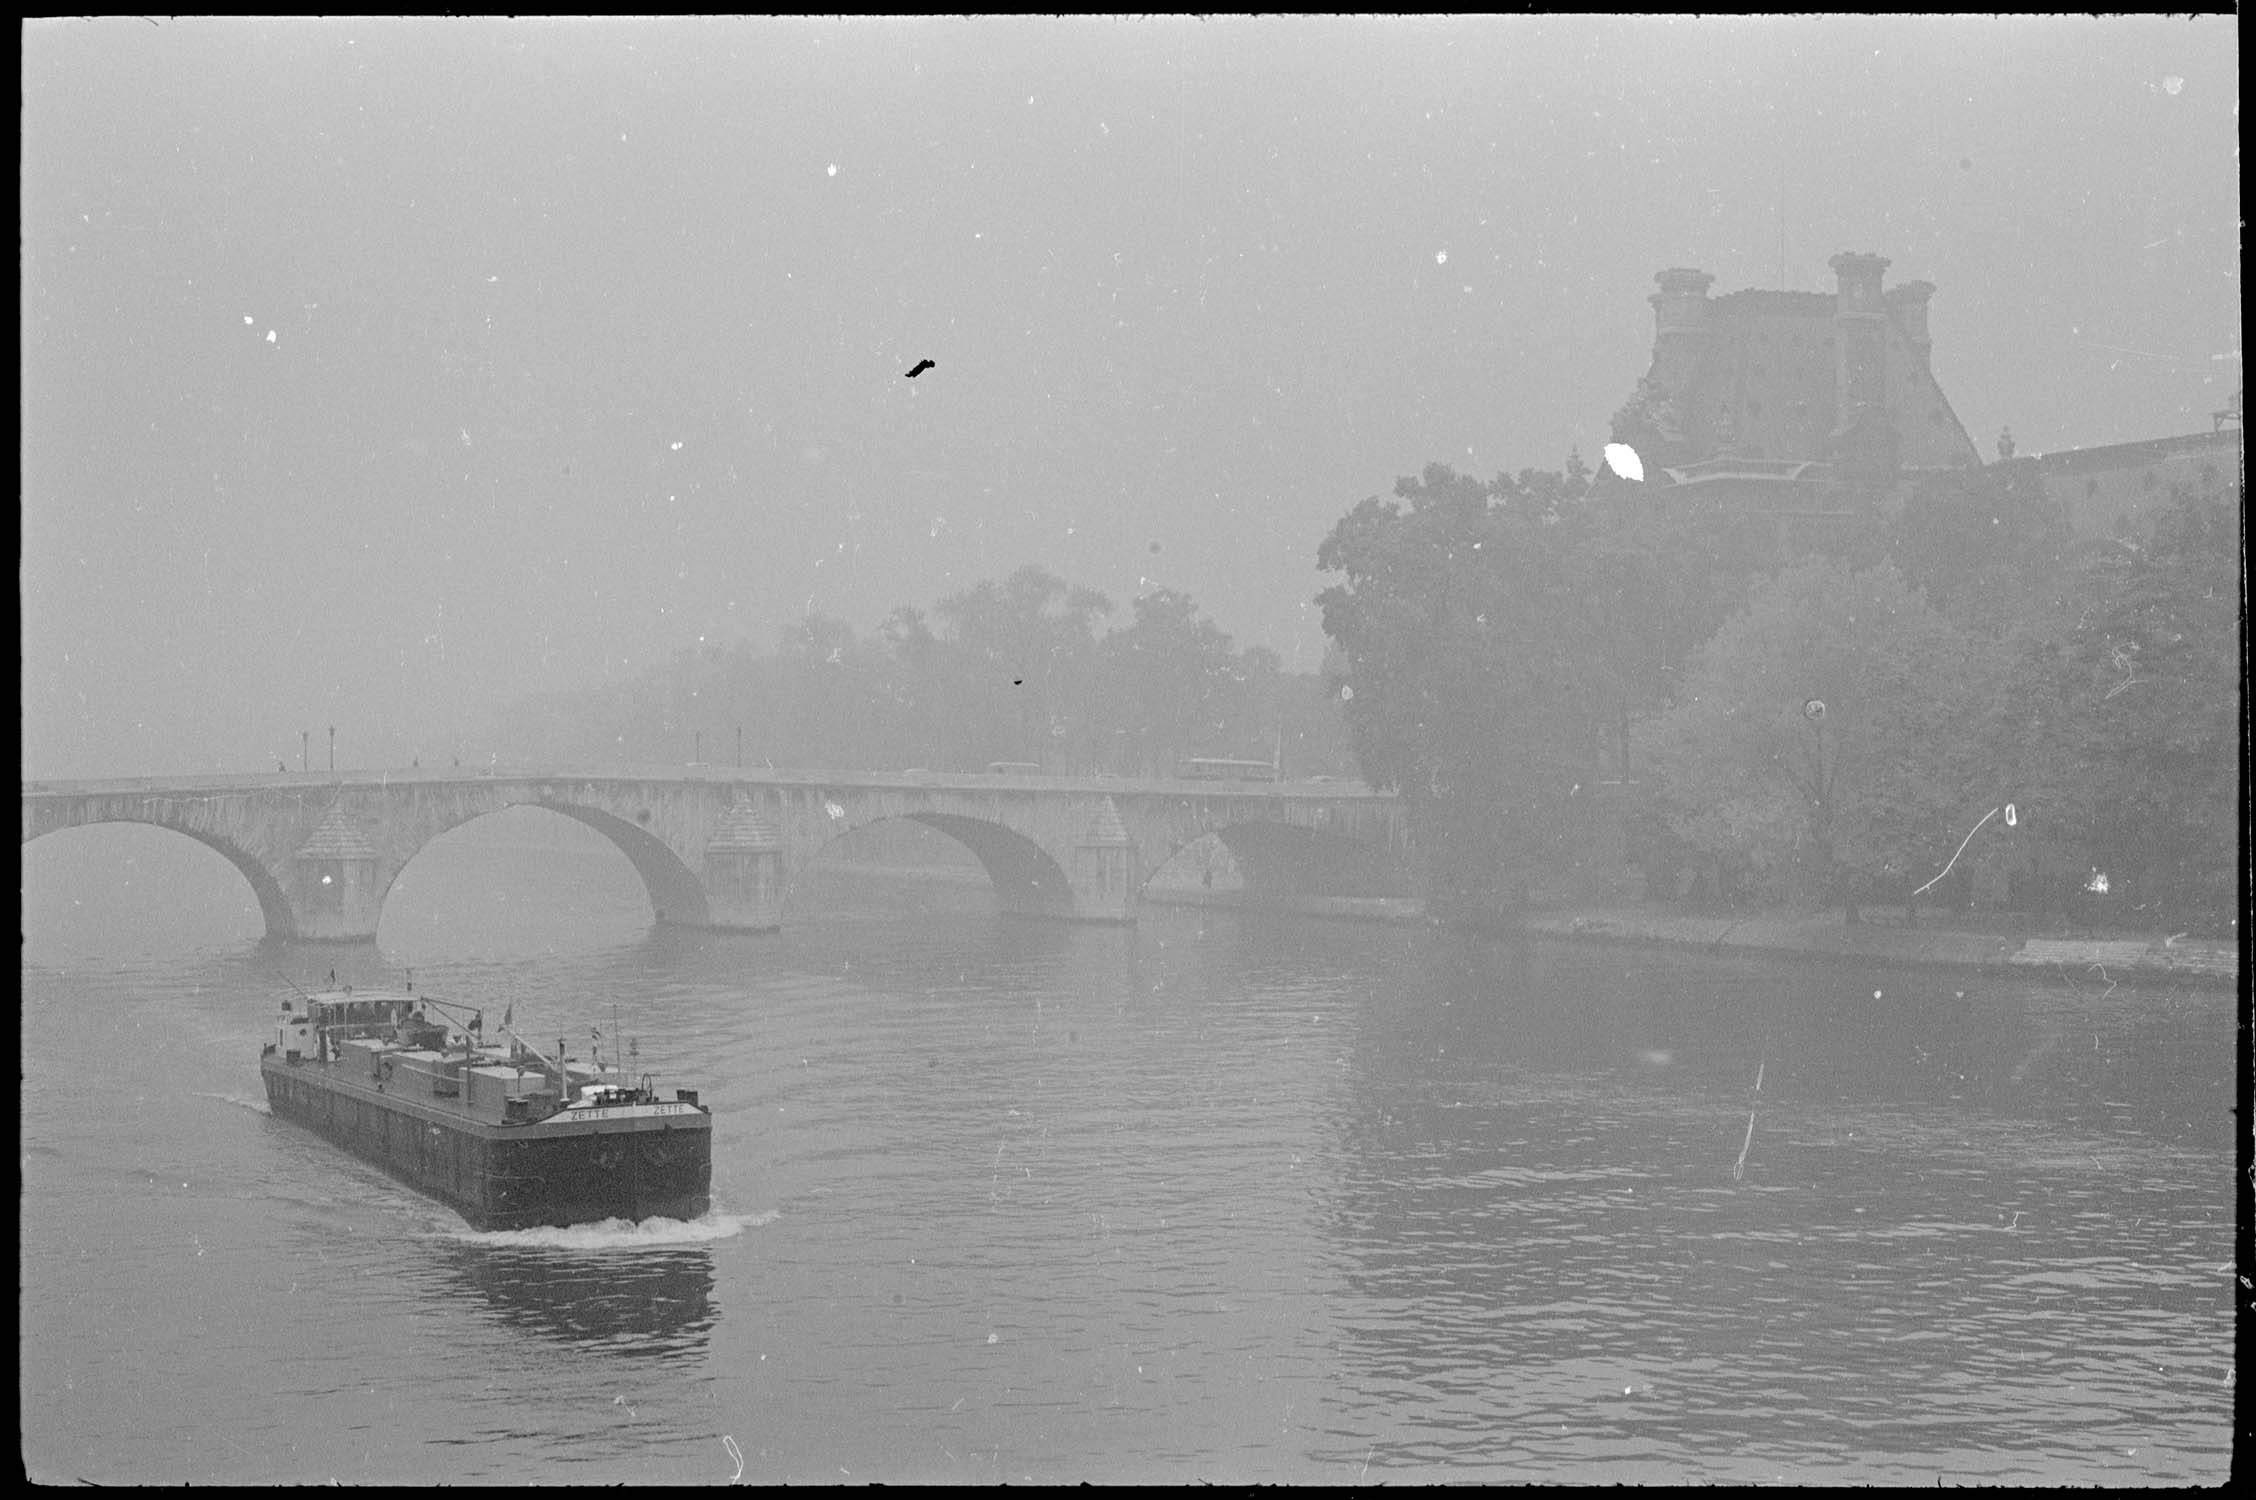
[(1279, 859), (322, 854), (1172, 864), (676, 894), (274, 902), (1026, 878)]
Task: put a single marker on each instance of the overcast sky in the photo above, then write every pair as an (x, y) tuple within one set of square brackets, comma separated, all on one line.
[(375, 372)]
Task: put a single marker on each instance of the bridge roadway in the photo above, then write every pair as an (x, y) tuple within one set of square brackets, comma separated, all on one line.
[(721, 847)]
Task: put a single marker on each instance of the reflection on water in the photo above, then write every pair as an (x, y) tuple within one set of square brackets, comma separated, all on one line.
[(626, 1303)]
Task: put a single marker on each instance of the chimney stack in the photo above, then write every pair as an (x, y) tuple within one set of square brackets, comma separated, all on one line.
[(1859, 353), (1909, 303), (1680, 327)]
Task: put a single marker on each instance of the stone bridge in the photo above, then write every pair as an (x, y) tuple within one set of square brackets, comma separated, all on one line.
[(721, 848)]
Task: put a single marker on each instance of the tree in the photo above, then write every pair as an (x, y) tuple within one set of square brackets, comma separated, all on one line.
[(917, 681), (1312, 725), (1821, 735), (835, 695), (2121, 718), (1024, 647), (1169, 685), (1983, 545), (1657, 572), (1466, 663), (1014, 670)]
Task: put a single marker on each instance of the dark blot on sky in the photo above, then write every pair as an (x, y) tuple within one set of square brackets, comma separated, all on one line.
[(922, 365)]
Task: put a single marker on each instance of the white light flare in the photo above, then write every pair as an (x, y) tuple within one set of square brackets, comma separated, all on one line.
[(1623, 460)]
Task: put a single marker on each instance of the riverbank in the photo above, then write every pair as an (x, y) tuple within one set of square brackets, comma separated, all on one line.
[(1396, 909), (2119, 959), (1820, 935)]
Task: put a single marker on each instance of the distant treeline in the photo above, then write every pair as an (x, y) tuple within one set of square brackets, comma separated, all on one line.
[(1018, 670), (1538, 665)]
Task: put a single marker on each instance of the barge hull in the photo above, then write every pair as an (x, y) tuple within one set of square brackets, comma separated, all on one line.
[(509, 1177)]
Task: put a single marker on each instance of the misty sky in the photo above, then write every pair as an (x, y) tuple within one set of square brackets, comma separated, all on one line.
[(375, 372)]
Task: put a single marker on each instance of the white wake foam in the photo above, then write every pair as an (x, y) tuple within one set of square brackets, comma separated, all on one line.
[(255, 1106), (618, 1234)]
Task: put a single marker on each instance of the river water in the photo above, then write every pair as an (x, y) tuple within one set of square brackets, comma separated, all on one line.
[(1222, 1197)]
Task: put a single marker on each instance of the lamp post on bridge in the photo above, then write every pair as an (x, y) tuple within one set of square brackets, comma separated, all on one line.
[(305, 750), (332, 747), (740, 747), (1836, 880)]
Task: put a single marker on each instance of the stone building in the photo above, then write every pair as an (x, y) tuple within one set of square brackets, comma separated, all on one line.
[(2114, 490), (1802, 402)]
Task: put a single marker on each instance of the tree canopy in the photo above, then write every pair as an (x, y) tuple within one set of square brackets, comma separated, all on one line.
[(1466, 656), (1500, 645), (2120, 713), (1817, 735), (1016, 669)]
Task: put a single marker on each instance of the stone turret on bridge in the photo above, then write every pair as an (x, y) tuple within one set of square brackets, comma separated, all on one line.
[(722, 851), (744, 870), (333, 883)]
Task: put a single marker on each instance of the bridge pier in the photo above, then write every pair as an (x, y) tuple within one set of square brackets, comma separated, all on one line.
[(1105, 871), (334, 891), (744, 872)]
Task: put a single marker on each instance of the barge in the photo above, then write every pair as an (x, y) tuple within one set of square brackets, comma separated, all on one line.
[(504, 1134)]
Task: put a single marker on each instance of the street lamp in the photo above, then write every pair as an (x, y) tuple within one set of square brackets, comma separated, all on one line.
[(332, 747), (1813, 713), (305, 751)]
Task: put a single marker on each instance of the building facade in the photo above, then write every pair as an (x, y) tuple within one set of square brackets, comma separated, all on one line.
[(2115, 490), (1802, 402), (1819, 407)]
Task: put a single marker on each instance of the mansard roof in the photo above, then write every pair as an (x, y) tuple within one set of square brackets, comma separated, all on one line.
[(1789, 376)]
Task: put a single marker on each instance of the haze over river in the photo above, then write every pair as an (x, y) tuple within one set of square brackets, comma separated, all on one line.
[(1221, 1197)]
